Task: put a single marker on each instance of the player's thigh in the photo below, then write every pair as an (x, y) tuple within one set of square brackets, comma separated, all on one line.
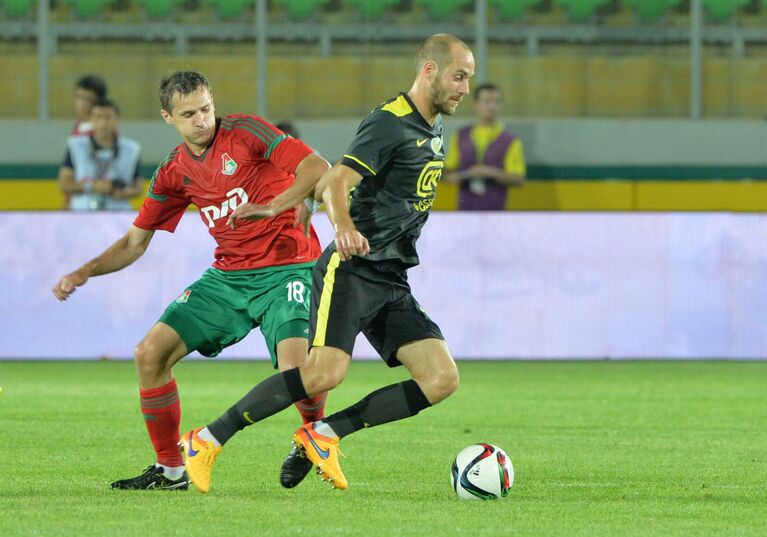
[(345, 296), (432, 366), (282, 312), (211, 314), (400, 322)]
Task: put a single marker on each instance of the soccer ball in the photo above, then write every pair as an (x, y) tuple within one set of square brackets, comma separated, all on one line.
[(482, 472)]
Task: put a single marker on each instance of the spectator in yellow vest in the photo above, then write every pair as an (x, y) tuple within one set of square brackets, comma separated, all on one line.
[(485, 158)]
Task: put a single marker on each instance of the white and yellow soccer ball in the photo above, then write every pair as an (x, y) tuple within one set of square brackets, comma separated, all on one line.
[(482, 472)]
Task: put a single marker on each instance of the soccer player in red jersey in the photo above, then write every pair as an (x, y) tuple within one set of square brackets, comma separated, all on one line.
[(261, 276)]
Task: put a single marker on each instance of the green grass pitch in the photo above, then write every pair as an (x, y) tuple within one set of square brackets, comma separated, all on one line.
[(599, 449)]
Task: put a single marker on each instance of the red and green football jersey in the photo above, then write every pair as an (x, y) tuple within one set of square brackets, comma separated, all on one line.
[(249, 160)]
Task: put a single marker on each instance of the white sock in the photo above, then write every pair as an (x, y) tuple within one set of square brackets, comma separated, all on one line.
[(205, 434), (324, 429), (171, 472)]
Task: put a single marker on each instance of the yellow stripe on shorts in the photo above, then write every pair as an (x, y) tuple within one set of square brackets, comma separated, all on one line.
[(327, 291)]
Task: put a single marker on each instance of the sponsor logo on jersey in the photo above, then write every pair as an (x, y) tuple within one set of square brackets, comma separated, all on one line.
[(212, 213), (419, 143), (228, 165), (427, 185)]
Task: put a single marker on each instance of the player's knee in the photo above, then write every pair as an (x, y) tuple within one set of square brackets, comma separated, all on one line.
[(442, 385), (149, 362), (321, 380), (325, 369)]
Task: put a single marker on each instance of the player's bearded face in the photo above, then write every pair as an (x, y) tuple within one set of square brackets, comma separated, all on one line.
[(451, 83), (441, 97)]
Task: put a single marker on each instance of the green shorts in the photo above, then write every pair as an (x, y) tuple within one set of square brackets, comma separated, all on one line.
[(222, 307)]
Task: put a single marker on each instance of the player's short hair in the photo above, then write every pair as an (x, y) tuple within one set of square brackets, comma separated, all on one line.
[(487, 86), (288, 128), (438, 48), (182, 82), (93, 83), (107, 103)]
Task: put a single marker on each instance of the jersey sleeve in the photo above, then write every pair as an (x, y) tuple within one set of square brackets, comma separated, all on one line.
[(378, 137), (452, 155), (288, 153), (164, 204), (514, 162)]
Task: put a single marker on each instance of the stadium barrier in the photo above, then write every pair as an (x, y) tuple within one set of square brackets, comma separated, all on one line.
[(501, 285)]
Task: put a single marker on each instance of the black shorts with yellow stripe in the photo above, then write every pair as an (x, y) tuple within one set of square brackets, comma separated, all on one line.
[(372, 297)]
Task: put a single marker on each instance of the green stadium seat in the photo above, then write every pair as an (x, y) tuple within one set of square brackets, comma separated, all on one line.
[(300, 9), (372, 9), (159, 9), (649, 10), (443, 9), (722, 10), (89, 8), (511, 9), (18, 8), (230, 9), (582, 9)]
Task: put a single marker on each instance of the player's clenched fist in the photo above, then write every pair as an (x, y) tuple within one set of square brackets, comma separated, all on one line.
[(68, 284), (350, 242)]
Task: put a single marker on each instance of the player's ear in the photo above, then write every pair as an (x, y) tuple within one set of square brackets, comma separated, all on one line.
[(429, 69), (166, 117)]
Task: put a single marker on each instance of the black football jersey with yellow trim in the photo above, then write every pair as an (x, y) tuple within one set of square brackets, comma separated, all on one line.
[(400, 158)]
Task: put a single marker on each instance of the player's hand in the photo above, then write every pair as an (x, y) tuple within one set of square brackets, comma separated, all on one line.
[(479, 171), (102, 186), (69, 283), (350, 242), (303, 217), (250, 211)]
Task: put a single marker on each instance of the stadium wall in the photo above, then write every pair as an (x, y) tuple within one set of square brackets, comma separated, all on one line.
[(574, 164), (653, 82), (532, 285)]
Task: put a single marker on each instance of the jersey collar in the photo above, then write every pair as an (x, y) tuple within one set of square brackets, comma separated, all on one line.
[(418, 115)]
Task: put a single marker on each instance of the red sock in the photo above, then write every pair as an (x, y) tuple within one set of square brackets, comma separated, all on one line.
[(312, 408), (162, 415)]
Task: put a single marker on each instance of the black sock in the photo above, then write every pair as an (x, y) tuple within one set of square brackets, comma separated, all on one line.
[(391, 403), (270, 396)]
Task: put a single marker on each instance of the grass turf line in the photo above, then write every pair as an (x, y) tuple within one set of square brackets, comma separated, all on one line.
[(599, 449)]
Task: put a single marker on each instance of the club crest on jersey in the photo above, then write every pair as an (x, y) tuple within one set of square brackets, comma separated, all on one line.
[(436, 144), (228, 165), (184, 296)]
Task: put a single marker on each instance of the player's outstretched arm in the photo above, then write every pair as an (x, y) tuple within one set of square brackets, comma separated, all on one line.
[(122, 253), (308, 173), (341, 179)]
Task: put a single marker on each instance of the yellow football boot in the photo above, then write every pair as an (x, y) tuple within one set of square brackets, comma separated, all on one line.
[(323, 451), (199, 458)]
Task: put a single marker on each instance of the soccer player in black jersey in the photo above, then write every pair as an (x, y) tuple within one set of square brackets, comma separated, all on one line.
[(360, 284)]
